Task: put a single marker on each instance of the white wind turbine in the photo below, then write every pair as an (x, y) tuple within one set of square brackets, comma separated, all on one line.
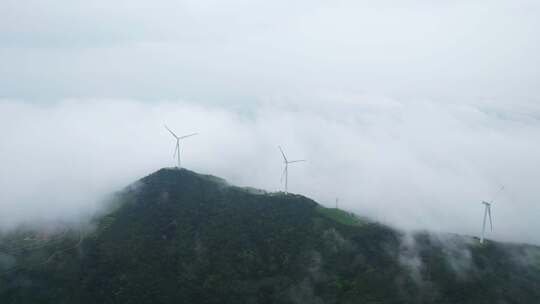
[(487, 213), (177, 148), (286, 169)]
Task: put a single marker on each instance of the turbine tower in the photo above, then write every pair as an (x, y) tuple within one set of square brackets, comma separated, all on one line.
[(286, 169), (177, 147), (487, 212)]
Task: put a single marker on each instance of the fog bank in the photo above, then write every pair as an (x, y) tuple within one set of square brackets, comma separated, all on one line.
[(413, 164)]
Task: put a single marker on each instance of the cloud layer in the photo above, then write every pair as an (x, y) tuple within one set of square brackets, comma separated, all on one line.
[(413, 164)]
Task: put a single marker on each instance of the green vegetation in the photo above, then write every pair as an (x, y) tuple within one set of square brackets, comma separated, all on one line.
[(341, 216), (179, 237)]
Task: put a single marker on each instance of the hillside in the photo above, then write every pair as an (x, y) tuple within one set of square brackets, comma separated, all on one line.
[(177, 236)]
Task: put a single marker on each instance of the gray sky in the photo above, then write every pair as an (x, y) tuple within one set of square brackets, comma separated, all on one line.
[(411, 113), (244, 51)]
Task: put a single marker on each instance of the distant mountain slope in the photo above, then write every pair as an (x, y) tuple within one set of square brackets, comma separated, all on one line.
[(180, 237)]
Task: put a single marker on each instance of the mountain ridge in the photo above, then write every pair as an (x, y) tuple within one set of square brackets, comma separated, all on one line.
[(179, 236)]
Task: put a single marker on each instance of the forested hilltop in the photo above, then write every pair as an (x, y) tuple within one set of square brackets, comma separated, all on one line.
[(176, 236)]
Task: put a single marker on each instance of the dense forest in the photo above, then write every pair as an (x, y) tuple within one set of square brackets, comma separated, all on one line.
[(176, 236)]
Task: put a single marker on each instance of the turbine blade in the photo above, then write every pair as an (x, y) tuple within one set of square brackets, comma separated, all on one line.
[(297, 161), (189, 135), (171, 131), (490, 221), (285, 158), (282, 175)]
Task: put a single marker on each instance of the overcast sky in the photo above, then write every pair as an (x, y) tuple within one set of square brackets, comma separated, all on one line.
[(410, 111)]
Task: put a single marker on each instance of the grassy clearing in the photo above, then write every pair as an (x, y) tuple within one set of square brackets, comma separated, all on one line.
[(341, 216)]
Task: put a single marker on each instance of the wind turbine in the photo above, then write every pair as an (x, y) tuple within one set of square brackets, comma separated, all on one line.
[(177, 148), (487, 212), (286, 169)]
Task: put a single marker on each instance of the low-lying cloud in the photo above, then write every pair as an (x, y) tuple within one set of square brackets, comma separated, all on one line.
[(412, 164)]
